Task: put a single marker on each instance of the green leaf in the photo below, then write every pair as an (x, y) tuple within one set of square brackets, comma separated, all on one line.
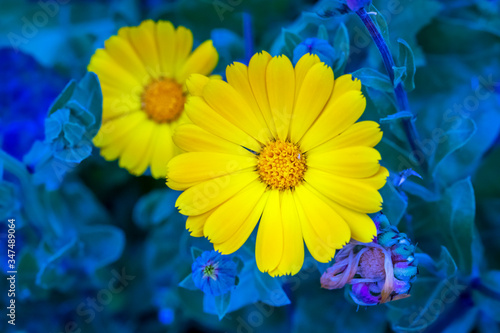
[(374, 79), (406, 60), (322, 32), (222, 304)]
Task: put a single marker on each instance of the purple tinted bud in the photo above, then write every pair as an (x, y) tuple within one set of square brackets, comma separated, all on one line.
[(362, 295), (380, 271)]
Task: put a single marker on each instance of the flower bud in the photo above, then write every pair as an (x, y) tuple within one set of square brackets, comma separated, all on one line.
[(378, 272)]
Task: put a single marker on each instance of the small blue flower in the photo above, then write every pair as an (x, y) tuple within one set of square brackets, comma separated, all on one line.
[(214, 273), (317, 46)]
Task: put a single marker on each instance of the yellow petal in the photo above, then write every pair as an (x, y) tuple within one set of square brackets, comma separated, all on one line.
[(353, 162), (231, 105), (281, 93), (378, 180), (311, 99), (202, 61), (233, 243), (364, 133), (328, 225), (344, 84), (355, 194), (257, 68), (184, 45), (230, 216), (163, 152), (207, 118), (207, 195), (335, 119), (195, 224), (269, 244), (167, 46), (293, 244), (122, 52), (200, 166), (116, 129), (138, 148), (302, 67), (362, 227), (112, 74), (196, 83), (143, 40), (190, 137)]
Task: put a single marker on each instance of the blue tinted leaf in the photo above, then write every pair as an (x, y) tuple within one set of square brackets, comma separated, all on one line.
[(399, 74), (270, 290), (459, 209), (73, 133), (394, 205), (456, 135), (101, 245), (195, 252), (398, 115), (341, 46), (222, 304), (63, 97), (291, 40), (74, 155), (323, 32), (381, 23), (406, 60), (188, 283), (374, 79)]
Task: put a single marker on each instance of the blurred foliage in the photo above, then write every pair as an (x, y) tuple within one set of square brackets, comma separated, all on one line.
[(106, 251)]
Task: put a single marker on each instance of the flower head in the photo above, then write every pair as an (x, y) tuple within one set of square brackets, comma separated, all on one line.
[(143, 72), (213, 273), (278, 144), (321, 47), (380, 271)]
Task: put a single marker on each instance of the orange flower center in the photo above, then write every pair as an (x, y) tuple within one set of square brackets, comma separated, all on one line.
[(281, 165), (163, 100)]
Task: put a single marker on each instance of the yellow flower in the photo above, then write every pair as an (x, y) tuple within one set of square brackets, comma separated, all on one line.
[(143, 71), (278, 144)]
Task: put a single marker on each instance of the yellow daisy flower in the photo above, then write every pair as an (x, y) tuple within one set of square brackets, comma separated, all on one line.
[(143, 71), (278, 144)]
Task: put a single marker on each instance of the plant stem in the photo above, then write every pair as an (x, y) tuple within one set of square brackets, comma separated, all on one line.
[(399, 92)]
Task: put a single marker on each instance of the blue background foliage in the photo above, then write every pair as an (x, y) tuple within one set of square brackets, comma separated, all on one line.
[(99, 250)]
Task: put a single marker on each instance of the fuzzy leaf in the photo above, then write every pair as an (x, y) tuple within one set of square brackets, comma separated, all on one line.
[(406, 60), (374, 79)]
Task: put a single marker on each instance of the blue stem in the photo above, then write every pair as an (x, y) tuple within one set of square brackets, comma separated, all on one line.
[(399, 92), (248, 36)]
